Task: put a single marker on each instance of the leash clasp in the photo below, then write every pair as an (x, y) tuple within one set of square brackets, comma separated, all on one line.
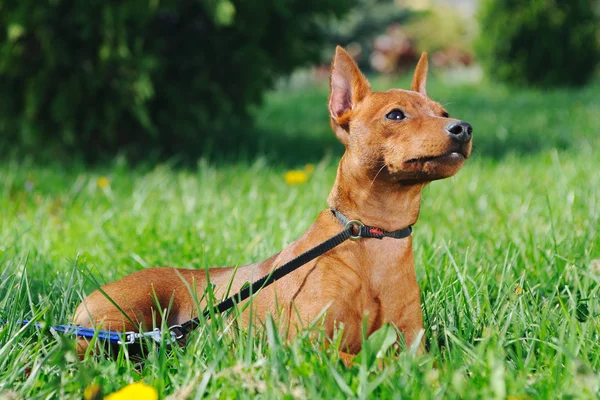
[(130, 338), (176, 332), (155, 334), (357, 224)]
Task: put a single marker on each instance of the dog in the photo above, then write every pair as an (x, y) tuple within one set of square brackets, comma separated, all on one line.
[(396, 142)]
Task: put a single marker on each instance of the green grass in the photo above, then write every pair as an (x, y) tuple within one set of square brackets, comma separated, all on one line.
[(504, 254)]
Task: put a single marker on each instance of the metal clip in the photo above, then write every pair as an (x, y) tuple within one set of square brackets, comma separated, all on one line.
[(155, 334), (130, 338), (174, 335), (352, 223)]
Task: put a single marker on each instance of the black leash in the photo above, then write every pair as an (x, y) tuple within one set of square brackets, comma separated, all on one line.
[(364, 231), (353, 229)]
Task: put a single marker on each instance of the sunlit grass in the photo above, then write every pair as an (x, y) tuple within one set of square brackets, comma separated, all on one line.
[(504, 254)]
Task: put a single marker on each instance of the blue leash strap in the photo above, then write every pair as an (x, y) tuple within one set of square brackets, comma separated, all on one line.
[(113, 337), (88, 333)]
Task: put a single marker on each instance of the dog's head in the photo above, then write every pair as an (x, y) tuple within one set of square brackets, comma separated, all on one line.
[(398, 135)]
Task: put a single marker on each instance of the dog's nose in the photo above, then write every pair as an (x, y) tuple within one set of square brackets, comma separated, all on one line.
[(460, 131)]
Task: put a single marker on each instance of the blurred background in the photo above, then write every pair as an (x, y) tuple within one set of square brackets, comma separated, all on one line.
[(195, 133), (151, 79)]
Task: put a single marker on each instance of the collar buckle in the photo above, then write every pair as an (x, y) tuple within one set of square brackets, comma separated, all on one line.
[(354, 223), (365, 231)]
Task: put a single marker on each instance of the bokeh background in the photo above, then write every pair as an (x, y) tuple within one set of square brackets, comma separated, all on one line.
[(195, 134), (154, 79)]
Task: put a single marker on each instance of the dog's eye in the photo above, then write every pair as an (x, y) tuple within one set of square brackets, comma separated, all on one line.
[(395, 115), (445, 114)]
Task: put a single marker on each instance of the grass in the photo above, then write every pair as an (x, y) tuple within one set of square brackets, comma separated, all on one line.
[(505, 255)]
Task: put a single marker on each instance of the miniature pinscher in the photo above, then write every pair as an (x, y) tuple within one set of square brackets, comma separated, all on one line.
[(396, 142)]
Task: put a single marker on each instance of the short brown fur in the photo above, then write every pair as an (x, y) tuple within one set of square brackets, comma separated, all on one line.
[(379, 182)]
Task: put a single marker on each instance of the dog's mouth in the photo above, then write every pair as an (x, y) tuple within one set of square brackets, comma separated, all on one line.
[(452, 156)]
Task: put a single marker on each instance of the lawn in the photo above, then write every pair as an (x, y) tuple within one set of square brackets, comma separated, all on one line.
[(507, 255)]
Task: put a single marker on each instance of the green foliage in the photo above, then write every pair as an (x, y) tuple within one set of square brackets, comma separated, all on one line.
[(507, 255), (453, 29), (146, 74), (539, 42), (358, 29)]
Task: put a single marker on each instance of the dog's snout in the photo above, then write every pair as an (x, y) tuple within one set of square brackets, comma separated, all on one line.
[(460, 131)]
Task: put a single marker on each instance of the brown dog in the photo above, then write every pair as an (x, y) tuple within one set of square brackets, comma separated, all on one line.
[(396, 142)]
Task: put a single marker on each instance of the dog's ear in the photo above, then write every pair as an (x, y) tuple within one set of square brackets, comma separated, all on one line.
[(348, 86), (420, 78)]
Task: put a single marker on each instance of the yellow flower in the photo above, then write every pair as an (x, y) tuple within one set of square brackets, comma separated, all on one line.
[(103, 182), (518, 290), (134, 391), (309, 169), (295, 177), (92, 392)]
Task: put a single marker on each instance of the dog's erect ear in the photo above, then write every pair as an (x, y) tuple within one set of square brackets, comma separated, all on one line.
[(420, 78), (348, 86)]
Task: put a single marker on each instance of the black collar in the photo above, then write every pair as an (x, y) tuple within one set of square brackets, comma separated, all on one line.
[(365, 231)]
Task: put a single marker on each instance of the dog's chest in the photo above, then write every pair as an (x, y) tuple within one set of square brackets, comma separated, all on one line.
[(385, 265), (380, 286)]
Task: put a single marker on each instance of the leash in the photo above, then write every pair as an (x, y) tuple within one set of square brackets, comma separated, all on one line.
[(112, 337), (364, 231), (353, 230)]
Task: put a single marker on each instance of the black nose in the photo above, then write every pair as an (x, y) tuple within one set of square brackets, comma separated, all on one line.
[(460, 131)]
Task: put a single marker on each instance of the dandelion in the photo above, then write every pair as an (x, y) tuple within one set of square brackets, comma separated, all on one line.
[(103, 182), (137, 390), (92, 392), (518, 290), (295, 177)]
